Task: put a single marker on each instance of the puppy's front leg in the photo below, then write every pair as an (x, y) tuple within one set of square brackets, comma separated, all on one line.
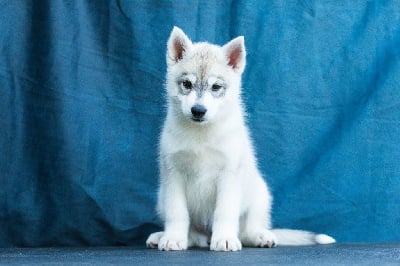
[(226, 215), (175, 213)]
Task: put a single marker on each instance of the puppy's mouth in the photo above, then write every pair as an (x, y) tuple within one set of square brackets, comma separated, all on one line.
[(197, 119)]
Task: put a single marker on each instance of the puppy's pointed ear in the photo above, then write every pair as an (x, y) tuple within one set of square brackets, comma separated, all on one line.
[(178, 44), (235, 52)]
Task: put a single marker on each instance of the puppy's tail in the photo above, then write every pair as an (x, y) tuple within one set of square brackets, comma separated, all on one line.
[(289, 237)]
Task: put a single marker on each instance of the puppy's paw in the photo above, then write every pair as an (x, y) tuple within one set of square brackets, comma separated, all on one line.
[(225, 244), (262, 239), (168, 243), (153, 240)]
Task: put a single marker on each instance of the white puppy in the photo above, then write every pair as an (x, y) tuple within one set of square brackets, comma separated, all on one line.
[(211, 191)]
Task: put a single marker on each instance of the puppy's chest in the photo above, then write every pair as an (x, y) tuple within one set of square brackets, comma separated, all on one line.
[(200, 164), (201, 170)]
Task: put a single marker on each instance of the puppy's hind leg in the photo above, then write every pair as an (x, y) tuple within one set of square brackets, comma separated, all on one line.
[(153, 240), (256, 222)]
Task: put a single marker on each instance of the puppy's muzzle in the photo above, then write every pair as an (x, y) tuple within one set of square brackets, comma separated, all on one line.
[(198, 112)]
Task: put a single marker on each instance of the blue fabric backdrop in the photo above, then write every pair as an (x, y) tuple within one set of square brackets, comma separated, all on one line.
[(82, 104)]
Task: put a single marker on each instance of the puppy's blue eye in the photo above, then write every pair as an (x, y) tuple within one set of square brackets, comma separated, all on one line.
[(216, 87), (187, 84)]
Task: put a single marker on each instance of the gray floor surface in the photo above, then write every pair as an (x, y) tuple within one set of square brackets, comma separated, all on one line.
[(336, 254)]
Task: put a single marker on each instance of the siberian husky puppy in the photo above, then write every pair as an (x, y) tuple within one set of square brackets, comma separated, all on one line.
[(211, 192)]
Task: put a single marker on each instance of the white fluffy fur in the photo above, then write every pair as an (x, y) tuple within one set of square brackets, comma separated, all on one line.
[(211, 192)]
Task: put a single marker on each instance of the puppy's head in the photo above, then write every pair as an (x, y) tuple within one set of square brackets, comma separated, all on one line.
[(203, 79)]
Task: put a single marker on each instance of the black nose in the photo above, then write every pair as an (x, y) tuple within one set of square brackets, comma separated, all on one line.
[(198, 111)]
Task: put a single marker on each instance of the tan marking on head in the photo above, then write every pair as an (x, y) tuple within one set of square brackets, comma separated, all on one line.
[(205, 57)]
